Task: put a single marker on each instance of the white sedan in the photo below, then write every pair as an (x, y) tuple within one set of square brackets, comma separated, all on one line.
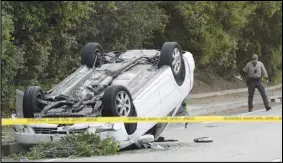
[(132, 83)]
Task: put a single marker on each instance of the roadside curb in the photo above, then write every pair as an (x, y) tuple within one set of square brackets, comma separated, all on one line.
[(230, 91), (223, 107)]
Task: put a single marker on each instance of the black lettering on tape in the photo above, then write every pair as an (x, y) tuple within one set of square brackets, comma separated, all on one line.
[(259, 118), (232, 118)]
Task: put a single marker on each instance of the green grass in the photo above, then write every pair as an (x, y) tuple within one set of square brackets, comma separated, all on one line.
[(73, 145)]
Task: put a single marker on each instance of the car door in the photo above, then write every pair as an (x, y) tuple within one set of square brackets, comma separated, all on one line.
[(148, 102), (169, 94)]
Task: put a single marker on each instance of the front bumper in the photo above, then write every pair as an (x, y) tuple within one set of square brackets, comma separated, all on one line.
[(44, 133), (30, 139)]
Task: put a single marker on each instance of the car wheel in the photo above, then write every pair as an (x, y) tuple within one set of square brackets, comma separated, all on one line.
[(91, 55), (30, 101), (117, 102), (171, 55)]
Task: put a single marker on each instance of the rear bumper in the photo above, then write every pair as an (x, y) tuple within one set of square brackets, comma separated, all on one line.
[(32, 139)]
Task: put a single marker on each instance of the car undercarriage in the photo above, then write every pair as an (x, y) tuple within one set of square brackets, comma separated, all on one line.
[(130, 83)]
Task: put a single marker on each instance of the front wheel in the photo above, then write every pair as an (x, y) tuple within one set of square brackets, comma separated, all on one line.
[(117, 102)]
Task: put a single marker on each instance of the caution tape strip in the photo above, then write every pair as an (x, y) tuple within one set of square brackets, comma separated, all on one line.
[(179, 119)]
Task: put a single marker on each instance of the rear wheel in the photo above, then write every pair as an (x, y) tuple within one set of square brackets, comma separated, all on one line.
[(91, 54), (30, 101), (117, 102), (171, 55)]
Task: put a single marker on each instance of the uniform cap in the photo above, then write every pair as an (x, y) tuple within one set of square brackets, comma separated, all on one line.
[(255, 57)]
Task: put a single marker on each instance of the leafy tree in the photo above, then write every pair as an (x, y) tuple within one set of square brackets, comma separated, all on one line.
[(126, 24), (11, 61), (263, 36), (41, 41)]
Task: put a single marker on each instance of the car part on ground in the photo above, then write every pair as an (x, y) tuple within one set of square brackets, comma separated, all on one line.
[(162, 139), (146, 139), (203, 140)]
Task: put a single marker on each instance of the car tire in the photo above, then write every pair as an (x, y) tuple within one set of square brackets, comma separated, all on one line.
[(90, 53), (171, 55), (119, 95), (30, 104)]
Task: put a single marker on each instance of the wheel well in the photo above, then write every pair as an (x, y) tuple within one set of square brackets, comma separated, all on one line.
[(131, 127), (181, 79), (157, 129)]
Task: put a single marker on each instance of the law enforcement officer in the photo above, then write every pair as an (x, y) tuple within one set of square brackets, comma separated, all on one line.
[(253, 72)]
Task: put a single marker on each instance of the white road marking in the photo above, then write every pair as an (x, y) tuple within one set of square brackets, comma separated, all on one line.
[(251, 112)]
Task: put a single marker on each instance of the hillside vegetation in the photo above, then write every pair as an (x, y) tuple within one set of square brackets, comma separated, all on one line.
[(41, 40)]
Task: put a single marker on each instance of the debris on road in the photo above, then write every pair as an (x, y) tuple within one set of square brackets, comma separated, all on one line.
[(170, 140), (157, 147), (162, 139), (153, 146), (203, 140)]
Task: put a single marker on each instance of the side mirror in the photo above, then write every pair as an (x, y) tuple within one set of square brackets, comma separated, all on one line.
[(146, 139)]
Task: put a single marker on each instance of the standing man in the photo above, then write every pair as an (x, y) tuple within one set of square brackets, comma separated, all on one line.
[(253, 72)]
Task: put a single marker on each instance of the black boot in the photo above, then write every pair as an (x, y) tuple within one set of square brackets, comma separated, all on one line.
[(268, 108), (250, 103)]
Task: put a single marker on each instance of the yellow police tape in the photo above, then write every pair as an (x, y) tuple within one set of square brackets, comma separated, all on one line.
[(25, 121)]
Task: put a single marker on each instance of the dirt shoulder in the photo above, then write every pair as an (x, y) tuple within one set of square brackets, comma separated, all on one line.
[(233, 97), (207, 81)]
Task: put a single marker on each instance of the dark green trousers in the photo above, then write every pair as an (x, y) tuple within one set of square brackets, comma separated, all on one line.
[(256, 84)]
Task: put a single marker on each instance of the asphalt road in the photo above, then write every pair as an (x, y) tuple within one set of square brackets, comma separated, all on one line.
[(232, 142)]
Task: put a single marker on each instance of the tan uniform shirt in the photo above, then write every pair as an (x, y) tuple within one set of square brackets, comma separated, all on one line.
[(257, 71)]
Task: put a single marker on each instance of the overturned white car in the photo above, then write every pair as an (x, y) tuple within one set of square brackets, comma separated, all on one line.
[(136, 83)]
